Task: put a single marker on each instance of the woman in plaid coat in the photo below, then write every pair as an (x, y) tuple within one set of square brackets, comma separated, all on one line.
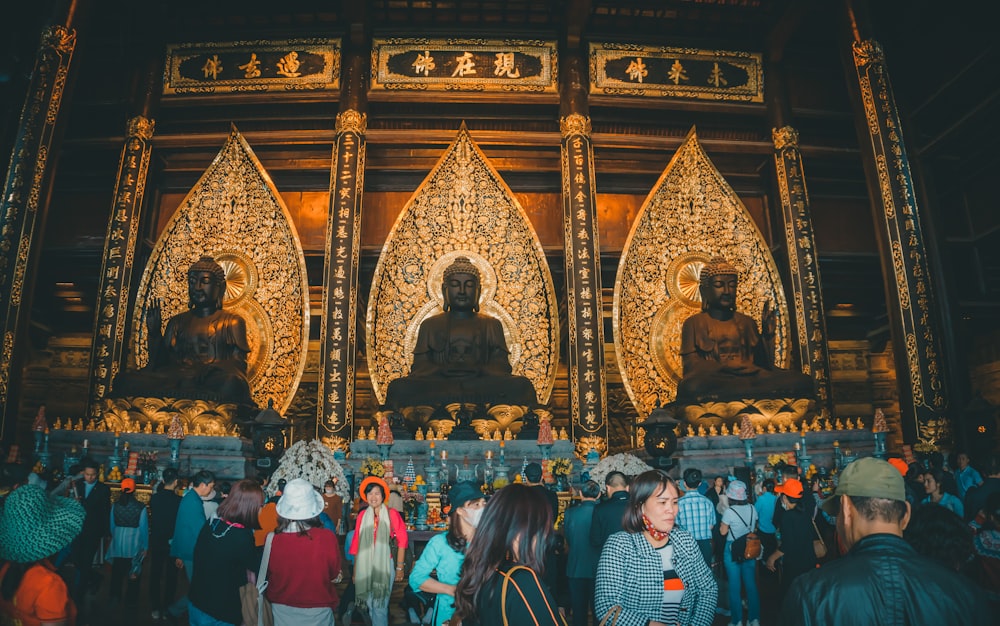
[(653, 573)]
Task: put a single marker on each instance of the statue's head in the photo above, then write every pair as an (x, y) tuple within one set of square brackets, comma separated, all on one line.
[(461, 286), (719, 280), (206, 283)]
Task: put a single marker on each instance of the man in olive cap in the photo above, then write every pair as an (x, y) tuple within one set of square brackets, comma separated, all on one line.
[(881, 580)]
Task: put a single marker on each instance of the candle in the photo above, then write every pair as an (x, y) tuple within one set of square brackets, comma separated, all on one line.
[(489, 454), (444, 454), (432, 445), (117, 434), (797, 447), (836, 444), (501, 443), (84, 443)]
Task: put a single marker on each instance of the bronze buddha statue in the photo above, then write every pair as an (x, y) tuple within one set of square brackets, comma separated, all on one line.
[(202, 355), (723, 354), (460, 355)]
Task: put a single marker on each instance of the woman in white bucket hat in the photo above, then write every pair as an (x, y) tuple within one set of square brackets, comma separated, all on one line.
[(305, 560)]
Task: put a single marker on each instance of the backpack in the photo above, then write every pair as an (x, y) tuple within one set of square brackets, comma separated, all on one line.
[(747, 547)]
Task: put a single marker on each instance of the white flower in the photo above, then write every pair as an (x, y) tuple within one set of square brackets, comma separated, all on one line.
[(625, 463), (312, 461)]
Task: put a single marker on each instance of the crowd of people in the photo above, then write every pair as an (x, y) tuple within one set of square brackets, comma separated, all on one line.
[(888, 544)]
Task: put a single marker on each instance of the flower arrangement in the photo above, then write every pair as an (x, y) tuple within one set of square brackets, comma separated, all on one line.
[(627, 464), (312, 461), (559, 466), (373, 467)]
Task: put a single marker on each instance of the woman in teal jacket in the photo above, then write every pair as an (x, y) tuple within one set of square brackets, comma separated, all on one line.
[(445, 553)]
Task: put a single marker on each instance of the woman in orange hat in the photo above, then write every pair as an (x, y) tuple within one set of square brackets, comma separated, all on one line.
[(795, 525), (378, 527), (129, 542)]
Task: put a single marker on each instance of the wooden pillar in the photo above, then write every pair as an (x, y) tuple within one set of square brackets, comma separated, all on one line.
[(338, 337), (584, 306), (24, 203), (913, 315), (113, 293), (803, 257)]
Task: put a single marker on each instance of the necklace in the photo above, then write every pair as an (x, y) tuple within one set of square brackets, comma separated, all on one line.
[(657, 535)]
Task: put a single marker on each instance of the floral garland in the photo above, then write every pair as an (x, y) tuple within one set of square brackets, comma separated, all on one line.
[(312, 461), (627, 464)]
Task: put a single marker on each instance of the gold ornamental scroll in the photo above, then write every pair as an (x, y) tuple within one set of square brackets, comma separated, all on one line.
[(234, 213), (21, 203), (915, 320), (463, 208), (506, 66), (584, 307), (335, 406), (290, 65), (691, 215), (623, 69), (119, 257), (803, 261)]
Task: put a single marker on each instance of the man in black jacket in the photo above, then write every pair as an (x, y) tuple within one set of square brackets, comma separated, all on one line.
[(881, 580), (95, 497), (608, 515), (162, 518)]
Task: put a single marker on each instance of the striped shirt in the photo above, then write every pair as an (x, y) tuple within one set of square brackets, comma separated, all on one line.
[(673, 587)]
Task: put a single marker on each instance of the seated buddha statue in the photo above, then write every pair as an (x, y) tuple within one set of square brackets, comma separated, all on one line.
[(460, 355), (202, 355), (724, 356)]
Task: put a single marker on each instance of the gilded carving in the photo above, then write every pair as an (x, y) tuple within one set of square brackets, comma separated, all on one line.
[(690, 215), (133, 414), (463, 208), (785, 137), (351, 121), (235, 213), (575, 124), (584, 445), (141, 128), (59, 38), (866, 52)]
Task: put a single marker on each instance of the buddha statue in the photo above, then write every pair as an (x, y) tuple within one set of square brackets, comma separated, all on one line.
[(203, 353), (461, 355), (724, 356)]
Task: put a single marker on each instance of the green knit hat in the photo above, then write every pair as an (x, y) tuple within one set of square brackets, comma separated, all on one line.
[(34, 526)]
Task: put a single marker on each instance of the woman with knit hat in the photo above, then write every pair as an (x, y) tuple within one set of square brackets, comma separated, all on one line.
[(129, 542), (377, 527), (304, 561), (33, 528)]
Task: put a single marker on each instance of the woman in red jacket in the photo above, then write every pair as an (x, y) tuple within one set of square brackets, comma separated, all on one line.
[(377, 528), (305, 560)]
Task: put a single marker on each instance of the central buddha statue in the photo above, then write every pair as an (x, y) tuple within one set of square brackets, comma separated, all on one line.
[(203, 353), (724, 356), (461, 355)]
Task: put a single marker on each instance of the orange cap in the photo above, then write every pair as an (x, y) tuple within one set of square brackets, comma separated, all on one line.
[(900, 465), (128, 485), (792, 487)]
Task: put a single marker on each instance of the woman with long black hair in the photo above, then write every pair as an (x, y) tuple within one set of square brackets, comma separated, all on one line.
[(502, 575), (445, 553)]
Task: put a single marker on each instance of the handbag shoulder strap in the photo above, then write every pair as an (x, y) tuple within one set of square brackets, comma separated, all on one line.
[(503, 590), (262, 573)]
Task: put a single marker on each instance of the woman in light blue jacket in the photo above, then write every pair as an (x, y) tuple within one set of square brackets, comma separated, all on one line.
[(445, 553)]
